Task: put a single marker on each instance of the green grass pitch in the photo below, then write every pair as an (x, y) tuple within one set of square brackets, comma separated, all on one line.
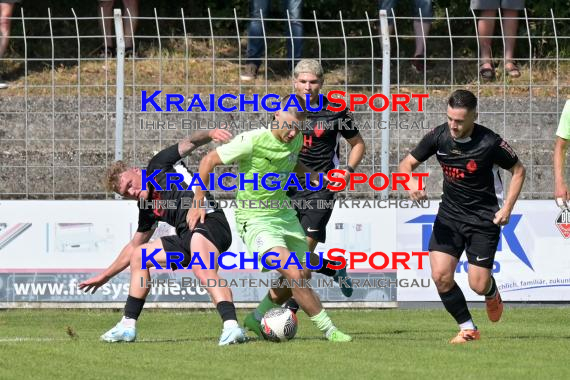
[(529, 343)]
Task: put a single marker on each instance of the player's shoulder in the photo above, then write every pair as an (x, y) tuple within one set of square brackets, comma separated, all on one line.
[(251, 136), (438, 132), (325, 113), (487, 135)]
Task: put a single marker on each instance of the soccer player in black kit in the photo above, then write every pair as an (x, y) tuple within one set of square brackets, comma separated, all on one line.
[(320, 153), (214, 235), (471, 211)]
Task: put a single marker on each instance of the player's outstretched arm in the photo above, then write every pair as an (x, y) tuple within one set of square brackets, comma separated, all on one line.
[(519, 173), (207, 165), (121, 263), (199, 138), (408, 165), (561, 194)]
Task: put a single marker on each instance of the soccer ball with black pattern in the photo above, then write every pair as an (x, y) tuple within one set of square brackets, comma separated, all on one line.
[(279, 325)]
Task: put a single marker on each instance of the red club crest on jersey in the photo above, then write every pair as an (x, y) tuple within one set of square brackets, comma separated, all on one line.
[(471, 166), (319, 130), (157, 211)]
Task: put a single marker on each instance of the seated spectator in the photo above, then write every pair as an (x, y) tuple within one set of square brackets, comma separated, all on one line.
[(106, 10), (486, 27), (6, 10), (427, 13), (255, 41)]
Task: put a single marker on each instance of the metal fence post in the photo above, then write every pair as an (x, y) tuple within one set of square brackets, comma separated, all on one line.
[(385, 149), (120, 86)]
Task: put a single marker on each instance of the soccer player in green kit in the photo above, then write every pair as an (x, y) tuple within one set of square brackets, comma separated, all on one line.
[(277, 230)]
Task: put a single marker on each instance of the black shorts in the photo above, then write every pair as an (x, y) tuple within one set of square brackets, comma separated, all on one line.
[(478, 242), (215, 228), (314, 221)]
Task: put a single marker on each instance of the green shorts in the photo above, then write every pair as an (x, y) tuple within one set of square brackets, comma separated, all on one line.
[(263, 233)]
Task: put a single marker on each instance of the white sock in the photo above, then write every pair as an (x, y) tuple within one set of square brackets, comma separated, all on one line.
[(128, 322), (469, 325), (230, 323)]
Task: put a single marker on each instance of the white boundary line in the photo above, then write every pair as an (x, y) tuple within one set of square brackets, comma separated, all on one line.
[(178, 305)]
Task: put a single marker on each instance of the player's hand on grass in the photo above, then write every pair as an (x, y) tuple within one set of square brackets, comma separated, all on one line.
[(93, 283), (220, 135), (196, 214), (561, 195), (502, 217)]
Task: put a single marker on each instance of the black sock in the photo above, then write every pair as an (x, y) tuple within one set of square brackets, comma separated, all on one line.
[(491, 292), (327, 271), (292, 305), (455, 304), (133, 307), (227, 310)]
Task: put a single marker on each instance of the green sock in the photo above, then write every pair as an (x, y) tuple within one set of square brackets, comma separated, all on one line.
[(265, 305), (323, 322)]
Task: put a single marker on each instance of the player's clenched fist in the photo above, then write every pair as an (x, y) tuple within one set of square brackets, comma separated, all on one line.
[(220, 135)]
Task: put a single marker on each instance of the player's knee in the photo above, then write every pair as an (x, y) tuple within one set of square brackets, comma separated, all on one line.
[(443, 281), (479, 287), (294, 274), (136, 260), (202, 275)]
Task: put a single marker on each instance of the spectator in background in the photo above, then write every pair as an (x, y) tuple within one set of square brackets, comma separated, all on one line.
[(561, 194), (425, 6), (105, 9), (255, 41), (486, 27), (6, 10)]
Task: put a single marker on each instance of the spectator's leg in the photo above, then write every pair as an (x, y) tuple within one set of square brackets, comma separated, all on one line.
[(510, 28), (130, 25), (255, 44), (6, 10), (105, 9), (486, 28), (295, 8), (427, 14)]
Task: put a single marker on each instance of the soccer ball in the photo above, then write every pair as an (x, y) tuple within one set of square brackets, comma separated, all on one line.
[(279, 325)]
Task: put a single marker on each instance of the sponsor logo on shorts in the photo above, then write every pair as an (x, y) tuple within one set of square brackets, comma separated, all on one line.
[(508, 234)]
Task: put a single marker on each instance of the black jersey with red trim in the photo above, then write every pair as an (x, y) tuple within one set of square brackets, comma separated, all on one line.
[(472, 186), (320, 150), (321, 142), (165, 161)]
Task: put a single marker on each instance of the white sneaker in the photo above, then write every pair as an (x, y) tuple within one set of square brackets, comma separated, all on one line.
[(232, 335), (120, 333)]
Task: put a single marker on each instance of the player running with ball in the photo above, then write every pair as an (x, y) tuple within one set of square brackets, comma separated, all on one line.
[(277, 230), (212, 235), (471, 211)]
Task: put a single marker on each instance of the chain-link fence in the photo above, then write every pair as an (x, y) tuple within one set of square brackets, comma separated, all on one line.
[(58, 117)]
